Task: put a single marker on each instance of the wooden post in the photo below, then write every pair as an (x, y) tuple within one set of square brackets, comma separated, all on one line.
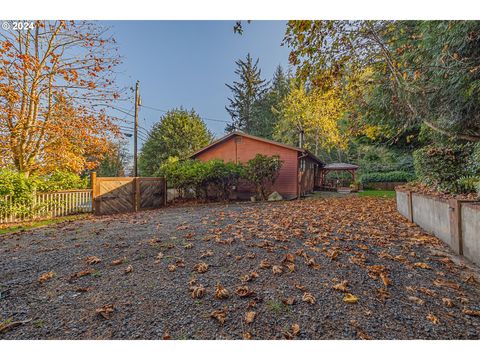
[(410, 205), (136, 189), (93, 180), (455, 215)]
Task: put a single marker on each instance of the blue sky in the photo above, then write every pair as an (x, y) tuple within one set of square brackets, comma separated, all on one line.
[(187, 63)]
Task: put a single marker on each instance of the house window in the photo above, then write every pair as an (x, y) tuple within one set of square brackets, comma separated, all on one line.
[(302, 164)]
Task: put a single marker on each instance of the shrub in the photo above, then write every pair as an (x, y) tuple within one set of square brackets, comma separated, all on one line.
[(262, 171), (392, 176), (442, 166), (199, 176), (61, 180), (468, 184)]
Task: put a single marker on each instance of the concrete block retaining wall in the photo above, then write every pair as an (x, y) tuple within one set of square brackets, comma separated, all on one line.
[(455, 222)]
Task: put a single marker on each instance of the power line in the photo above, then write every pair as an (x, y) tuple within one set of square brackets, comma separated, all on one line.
[(165, 111)]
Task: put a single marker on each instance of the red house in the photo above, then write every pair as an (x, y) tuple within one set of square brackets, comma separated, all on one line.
[(299, 170)]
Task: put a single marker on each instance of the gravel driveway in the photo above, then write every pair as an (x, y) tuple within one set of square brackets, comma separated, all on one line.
[(337, 268)]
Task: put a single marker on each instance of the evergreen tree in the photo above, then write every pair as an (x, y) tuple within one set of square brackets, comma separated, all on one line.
[(179, 133), (267, 108), (249, 89)]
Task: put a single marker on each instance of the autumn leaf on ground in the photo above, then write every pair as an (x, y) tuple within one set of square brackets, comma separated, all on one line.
[(264, 264), (386, 280), (294, 331), (243, 291), (247, 336), (180, 263), (219, 315), (128, 269), (360, 333), (470, 279), (350, 299), (105, 311), (471, 312), (201, 267), (250, 317), (309, 298), (166, 336), (416, 300), (289, 300), (299, 287), (427, 291), (422, 265), (197, 292), (448, 302), (82, 273), (221, 292), (92, 260), (207, 253), (433, 319), (290, 267), (117, 262), (171, 267), (277, 269), (46, 276), (446, 283), (343, 286), (383, 294), (188, 246), (251, 255), (289, 258), (333, 254)]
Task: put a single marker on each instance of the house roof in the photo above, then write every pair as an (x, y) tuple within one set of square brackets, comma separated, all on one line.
[(340, 166), (241, 133)]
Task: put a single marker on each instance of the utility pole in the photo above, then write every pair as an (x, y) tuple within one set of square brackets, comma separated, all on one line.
[(135, 132)]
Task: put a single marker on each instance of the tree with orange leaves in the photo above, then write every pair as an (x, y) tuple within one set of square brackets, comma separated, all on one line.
[(56, 81)]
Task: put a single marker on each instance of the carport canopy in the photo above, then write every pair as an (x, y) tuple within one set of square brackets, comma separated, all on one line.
[(350, 168)]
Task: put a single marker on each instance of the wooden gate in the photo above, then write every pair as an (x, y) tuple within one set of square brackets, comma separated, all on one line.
[(113, 195)]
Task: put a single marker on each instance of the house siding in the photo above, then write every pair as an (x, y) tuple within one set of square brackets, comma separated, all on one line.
[(241, 149)]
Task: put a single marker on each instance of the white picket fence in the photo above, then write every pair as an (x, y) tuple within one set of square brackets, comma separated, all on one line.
[(45, 206)]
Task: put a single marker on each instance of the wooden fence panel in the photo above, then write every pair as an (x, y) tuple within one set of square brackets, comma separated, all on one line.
[(153, 193), (127, 194)]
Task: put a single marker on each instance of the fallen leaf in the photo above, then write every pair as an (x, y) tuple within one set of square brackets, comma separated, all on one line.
[(219, 315), (277, 269), (471, 312), (386, 280), (197, 292), (221, 292), (289, 258), (200, 267), (289, 301), (309, 298), (243, 291), (207, 253), (91, 260), (264, 264), (117, 262), (422, 265), (416, 300), (350, 299), (343, 286), (294, 331), (171, 267), (247, 336), (448, 302), (129, 269), (105, 311), (291, 267), (446, 283), (82, 273), (250, 317), (46, 276), (433, 319)]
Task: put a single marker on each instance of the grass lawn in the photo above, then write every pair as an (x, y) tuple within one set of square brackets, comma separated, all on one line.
[(377, 193), (8, 229)]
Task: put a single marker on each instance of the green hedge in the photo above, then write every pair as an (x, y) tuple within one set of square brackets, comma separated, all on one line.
[(217, 179), (441, 167), (392, 176)]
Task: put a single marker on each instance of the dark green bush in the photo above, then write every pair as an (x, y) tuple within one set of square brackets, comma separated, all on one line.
[(392, 176), (199, 177), (217, 178), (442, 166), (262, 171)]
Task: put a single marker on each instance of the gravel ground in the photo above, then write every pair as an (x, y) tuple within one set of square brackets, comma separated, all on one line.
[(404, 284)]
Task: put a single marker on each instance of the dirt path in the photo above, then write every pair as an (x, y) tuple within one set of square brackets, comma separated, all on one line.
[(405, 281)]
